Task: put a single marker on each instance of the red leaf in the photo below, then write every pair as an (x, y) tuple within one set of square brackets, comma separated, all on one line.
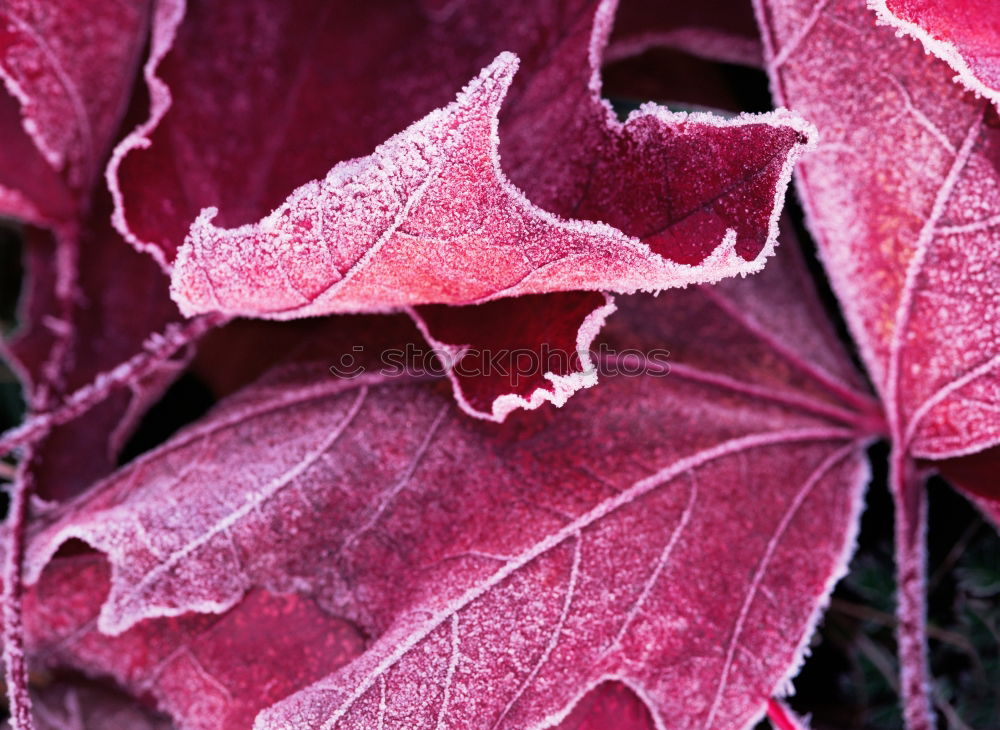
[(556, 551), (69, 66), (207, 672), (441, 227), (903, 195), (690, 189), (409, 220), (610, 705), (975, 475), (965, 34), (504, 355)]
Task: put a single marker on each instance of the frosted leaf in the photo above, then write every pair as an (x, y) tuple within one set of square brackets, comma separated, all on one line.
[(903, 195), (430, 218), (964, 34), (903, 198), (503, 571), (67, 71), (206, 672)]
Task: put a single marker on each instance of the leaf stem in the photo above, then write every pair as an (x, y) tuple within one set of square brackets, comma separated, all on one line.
[(13, 589), (910, 501), (782, 717)]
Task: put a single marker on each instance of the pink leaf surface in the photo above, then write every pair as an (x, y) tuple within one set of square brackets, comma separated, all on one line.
[(451, 230), (485, 575), (903, 196), (207, 672), (446, 225), (965, 34), (67, 70)]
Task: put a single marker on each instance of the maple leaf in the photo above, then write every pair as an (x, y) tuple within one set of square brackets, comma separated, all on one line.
[(576, 585), (554, 107), (935, 366), (963, 33), (912, 262)]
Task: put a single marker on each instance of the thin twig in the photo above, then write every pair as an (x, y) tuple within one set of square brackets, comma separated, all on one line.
[(157, 349), (910, 502), (783, 718), (13, 630)]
